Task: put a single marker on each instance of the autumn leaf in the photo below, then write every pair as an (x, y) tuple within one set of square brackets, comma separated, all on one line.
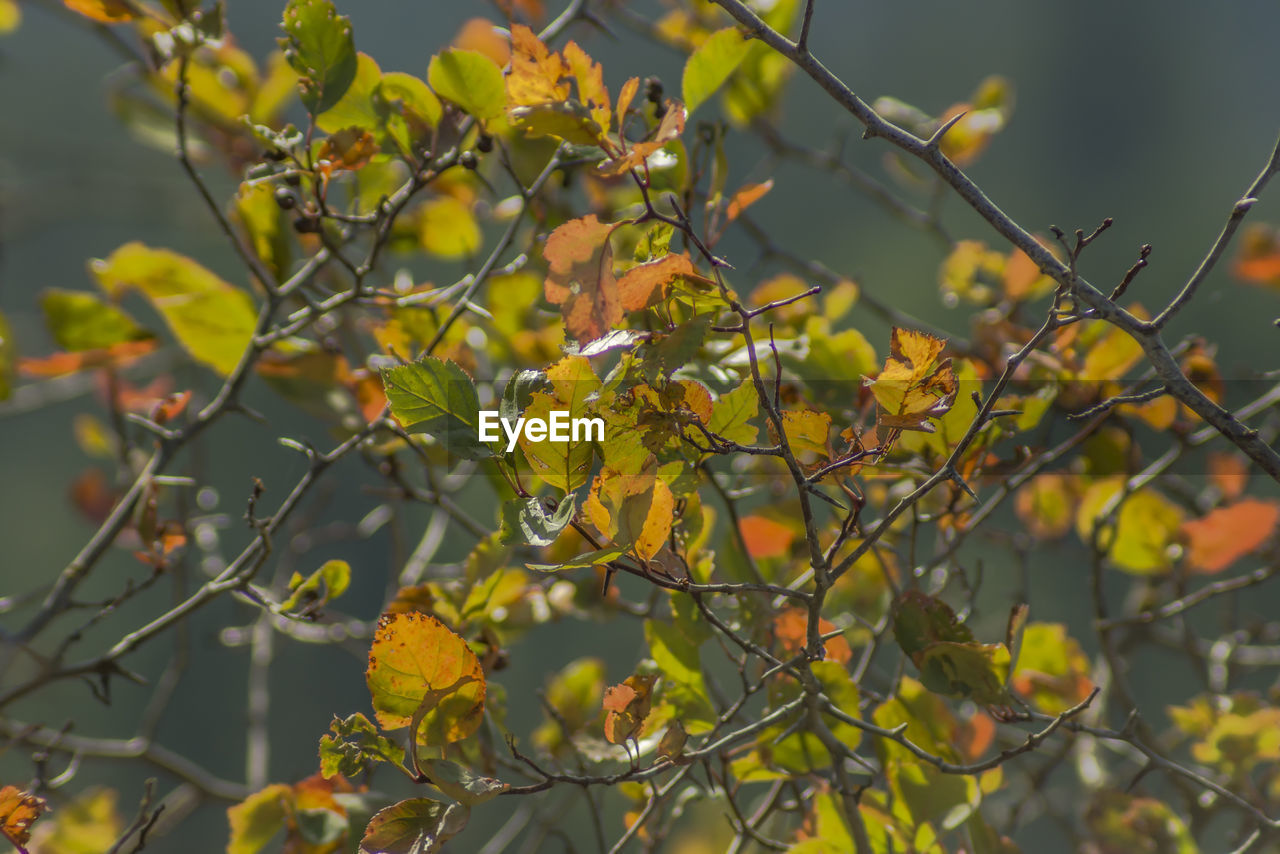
[(1259, 258), (766, 538), (103, 11), (350, 148), (747, 196), (627, 705), (791, 628), (647, 284), (1227, 534), (422, 673), (671, 126), (911, 389), (18, 811), (537, 74), (581, 280)]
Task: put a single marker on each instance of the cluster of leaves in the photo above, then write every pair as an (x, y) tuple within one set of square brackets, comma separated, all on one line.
[(787, 521)]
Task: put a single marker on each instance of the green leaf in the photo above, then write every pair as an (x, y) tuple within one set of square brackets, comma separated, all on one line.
[(563, 465), (414, 826), (920, 620), (975, 671), (212, 320), (460, 783), (438, 398), (528, 518), (731, 415), (408, 109), (582, 561), (518, 393), (469, 79), (8, 358), (318, 45), (678, 659), (258, 818), (353, 746), (711, 64), (358, 106), (79, 320), (324, 585)]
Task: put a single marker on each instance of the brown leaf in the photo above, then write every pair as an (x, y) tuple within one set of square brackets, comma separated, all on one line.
[(627, 706), (671, 126), (18, 811), (581, 280), (349, 149)]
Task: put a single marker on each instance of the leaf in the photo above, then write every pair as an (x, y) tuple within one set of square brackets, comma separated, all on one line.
[(448, 228), (673, 740), (747, 196), (1145, 529), (537, 74), (1052, 670), (599, 557), (920, 620), (647, 284), (408, 109), (350, 148), (670, 128), (470, 80), (562, 465), (680, 663), (711, 64), (580, 277), (353, 746), (322, 586), (1227, 534), (102, 11), (460, 784), (791, 627), (413, 826), (645, 518), (18, 811), (438, 398), (212, 320), (88, 824), (766, 538), (417, 666), (318, 45), (530, 519), (976, 671), (358, 106), (81, 321), (732, 413), (8, 356), (627, 705), (906, 392), (1259, 258), (591, 89), (258, 818)]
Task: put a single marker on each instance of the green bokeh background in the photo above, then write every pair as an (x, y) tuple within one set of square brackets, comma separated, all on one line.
[(1155, 114)]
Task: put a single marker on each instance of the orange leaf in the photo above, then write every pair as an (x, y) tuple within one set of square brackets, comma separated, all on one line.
[(18, 811), (646, 284), (581, 280), (536, 73), (350, 148), (102, 11), (60, 364), (766, 538), (671, 126), (627, 706), (746, 197), (482, 36), (170, 407), (591, 88), (1229, 533), (1229, 473), (791, 627), (1259, 258)]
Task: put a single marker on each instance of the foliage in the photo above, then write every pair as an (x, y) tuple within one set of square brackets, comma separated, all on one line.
[(792, 528)]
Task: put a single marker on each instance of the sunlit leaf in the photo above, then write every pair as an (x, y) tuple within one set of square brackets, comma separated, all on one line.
[(102, 11), (711, 64), (258, 818), (437, 397), (419, 668), (470, 80), (19, 810), (1146, 527), (626, 706), (353, 745), (212, 320), (581, 280), (319, 47)]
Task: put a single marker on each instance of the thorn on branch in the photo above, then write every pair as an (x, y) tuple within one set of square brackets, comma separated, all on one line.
[(936, 140)]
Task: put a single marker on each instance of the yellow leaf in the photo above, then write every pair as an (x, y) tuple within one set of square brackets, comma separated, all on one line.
[(448, 229), (1145, 529), (102, 11)]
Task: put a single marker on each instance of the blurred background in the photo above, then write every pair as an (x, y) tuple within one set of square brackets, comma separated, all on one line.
[(1158, 115)]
